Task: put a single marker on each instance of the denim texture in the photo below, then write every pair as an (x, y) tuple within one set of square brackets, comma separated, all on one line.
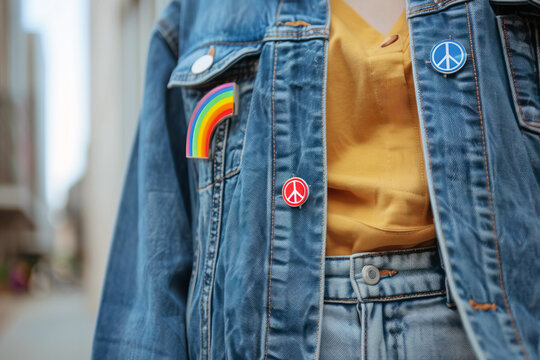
[(207, 260), (403, 316)]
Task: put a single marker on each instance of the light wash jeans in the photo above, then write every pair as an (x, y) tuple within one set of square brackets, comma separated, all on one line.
[(403, 315)]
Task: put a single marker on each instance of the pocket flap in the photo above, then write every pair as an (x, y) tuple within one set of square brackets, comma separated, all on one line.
[(225, 54)]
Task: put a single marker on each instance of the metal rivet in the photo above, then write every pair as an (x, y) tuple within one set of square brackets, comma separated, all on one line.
[(390, 40), (204, 62), (371, 274)]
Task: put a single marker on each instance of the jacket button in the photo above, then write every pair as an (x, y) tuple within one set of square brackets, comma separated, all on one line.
[(371, 274), (203, 63), (389, 40)]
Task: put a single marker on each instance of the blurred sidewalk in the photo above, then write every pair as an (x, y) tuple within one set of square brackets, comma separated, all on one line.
[(55, 326)]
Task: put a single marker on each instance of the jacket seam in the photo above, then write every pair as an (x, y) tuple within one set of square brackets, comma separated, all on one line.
[(203, 335), (435, 6), (412, 295), (273, 202), (480, 115), (428, 152), (215, 218), (229, 174), (364, 325), (169, 35), (421, 5), (397, 251), (507, 48), (193, 281), (292, 32), (323, 224), (218, 235), (278, 11), (340, 300), (225, 42), (292, 36)]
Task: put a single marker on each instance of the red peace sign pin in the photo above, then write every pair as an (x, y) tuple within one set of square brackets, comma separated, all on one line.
[(295, 191)]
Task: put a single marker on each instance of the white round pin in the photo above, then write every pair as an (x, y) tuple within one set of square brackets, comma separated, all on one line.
[(202, 64)]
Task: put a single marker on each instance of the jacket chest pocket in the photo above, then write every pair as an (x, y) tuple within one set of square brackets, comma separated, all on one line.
[(519, 29), (217, 82)]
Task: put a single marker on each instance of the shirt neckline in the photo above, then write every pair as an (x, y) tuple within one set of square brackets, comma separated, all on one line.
[(362, 29)]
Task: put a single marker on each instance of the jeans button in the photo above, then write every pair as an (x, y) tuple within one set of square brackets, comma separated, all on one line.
[(371, 274)]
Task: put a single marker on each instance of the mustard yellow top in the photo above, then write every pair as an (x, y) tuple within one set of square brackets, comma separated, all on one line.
[(377, 189)]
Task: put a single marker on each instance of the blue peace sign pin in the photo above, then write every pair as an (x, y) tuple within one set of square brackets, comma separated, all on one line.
[(448, 56)]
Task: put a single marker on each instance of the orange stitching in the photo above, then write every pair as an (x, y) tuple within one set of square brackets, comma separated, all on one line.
[(229, 174), (336, 300), (420, 101), (292, 32), (204, 274), (482, 306), (212, 278), (323, 134), (364, 325), (388, 272), (507, 305), (513, 76), (273, 202), (435, 292), (435, 3), (297, 23), (219, 42), (214, 151), (431, 7), (278, 11), (418, 6), (399, 251)]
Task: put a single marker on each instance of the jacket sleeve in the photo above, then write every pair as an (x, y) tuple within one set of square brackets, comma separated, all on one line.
[(143, 304)]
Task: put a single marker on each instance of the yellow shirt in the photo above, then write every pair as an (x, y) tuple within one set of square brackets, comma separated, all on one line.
[(377, 188)]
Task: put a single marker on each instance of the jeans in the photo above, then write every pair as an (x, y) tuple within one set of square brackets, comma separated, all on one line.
[(390, 305)]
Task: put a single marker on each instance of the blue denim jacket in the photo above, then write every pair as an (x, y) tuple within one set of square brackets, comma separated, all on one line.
[(209, 262)]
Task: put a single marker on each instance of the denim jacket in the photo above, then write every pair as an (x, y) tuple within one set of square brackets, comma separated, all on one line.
[(209, 262)]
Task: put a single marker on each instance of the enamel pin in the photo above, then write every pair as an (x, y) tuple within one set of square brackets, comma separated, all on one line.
[(448, 56), (218, 104), (295, 191)]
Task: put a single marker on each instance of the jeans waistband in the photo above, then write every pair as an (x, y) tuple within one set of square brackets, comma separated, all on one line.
[(382, 276)]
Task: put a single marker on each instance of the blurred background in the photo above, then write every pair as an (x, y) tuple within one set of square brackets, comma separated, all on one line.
[(71, 74)]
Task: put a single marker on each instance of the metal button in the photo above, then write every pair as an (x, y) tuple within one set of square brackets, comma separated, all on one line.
[(390, 40), (203, 63), (371, 274)]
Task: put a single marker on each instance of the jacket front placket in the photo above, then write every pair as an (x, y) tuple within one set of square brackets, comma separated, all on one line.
[(454, 139), (298, 42)]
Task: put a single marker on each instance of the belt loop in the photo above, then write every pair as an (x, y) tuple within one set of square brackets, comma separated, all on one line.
[(352, 275), (450, 302)]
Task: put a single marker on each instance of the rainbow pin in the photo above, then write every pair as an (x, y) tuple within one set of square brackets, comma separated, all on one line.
[(215, 106)]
